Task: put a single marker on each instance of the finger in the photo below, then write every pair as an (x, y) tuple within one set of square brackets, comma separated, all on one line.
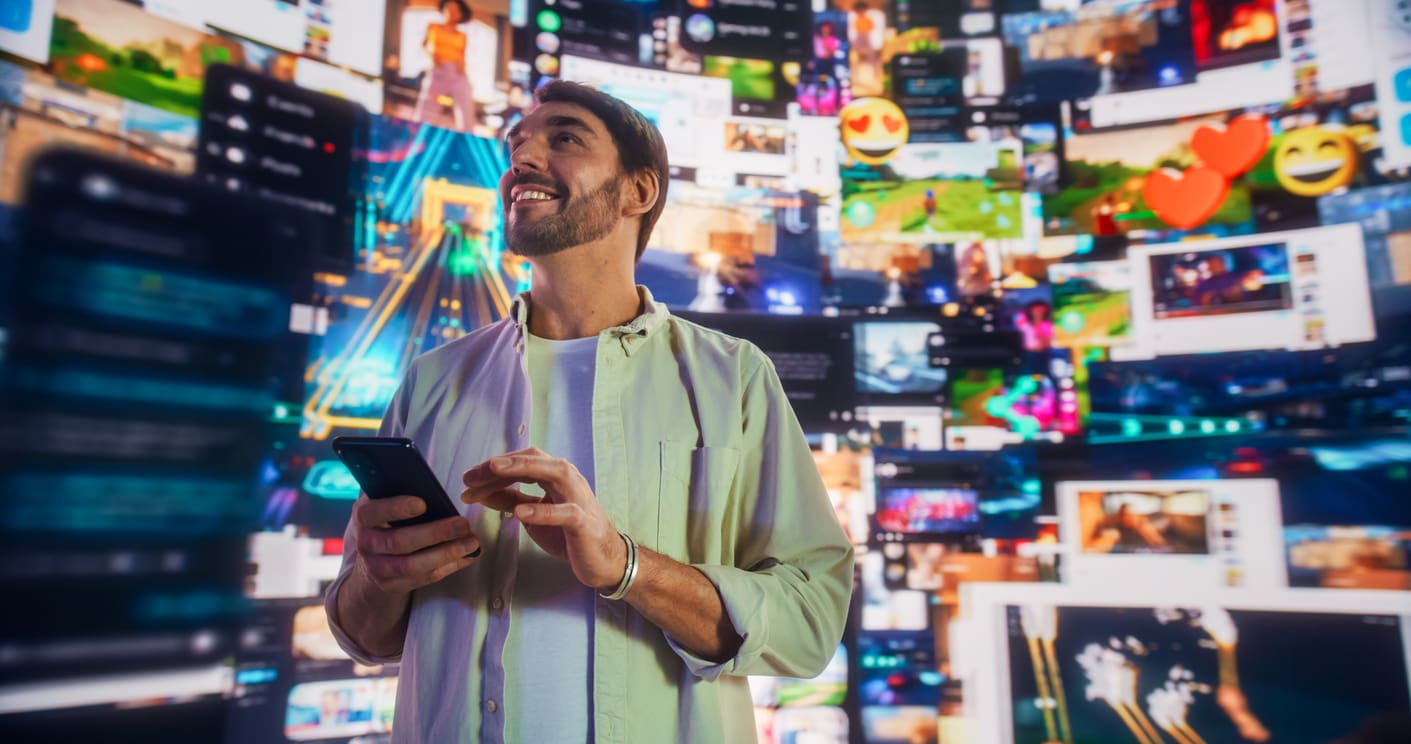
[(503, 500), (379, 512), (478, 490), (406, 540), (550, 472), (567, 516), (424, 566), (484, 470)]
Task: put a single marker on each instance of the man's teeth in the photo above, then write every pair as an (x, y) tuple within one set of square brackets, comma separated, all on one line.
[(533, 196)]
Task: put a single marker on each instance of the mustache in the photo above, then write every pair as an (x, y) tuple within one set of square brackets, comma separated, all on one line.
[(534, 179)]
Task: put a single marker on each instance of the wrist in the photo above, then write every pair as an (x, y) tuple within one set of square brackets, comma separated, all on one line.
[(618, 554), (619, 589)]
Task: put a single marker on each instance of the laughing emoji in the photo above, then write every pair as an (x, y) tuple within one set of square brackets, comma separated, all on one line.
[(1313, 161), (873, 129)]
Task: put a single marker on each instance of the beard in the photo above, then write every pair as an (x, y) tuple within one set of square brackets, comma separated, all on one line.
[(579, 220)]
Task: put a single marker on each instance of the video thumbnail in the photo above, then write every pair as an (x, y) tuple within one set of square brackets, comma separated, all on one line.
[(443, 65), (928, 511), (1106, 171), (1234, 32), (890, 609), (936, 193), (901, 724), (126, 51), (1298, 289), (894, 358), (49, 112), (1138, 675), (899, 668), (1244, 279), (825, 82), (312, 638), (340, 708), (867, 34), (1349, 557), (1020, 406), (1135, 521), (1101, 48), (817, 725), (1092, 303), (751, 80)]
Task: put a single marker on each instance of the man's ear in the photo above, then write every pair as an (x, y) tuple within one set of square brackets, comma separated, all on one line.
[(640, 192)]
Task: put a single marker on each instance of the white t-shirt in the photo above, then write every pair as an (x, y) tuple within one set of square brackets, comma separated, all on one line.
[(551, 621)]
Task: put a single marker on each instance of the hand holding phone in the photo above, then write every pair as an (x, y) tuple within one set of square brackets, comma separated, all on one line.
[(407, 533)]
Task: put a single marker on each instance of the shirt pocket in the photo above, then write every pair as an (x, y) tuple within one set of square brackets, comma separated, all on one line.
[(694, 502)]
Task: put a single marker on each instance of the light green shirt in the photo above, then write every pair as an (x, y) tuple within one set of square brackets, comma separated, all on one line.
[(698, 455)]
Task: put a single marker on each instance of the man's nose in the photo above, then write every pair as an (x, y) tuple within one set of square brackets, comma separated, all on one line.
[(529, 156)]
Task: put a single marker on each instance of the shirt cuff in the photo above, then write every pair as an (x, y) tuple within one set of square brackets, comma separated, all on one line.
[(346, 642), (744, 606)]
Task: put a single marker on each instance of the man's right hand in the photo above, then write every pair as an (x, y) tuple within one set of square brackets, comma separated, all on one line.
[(397, 560)]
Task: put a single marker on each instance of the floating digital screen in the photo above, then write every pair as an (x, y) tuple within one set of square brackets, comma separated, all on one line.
[(813, 357), (155, 324), (777, 29), (284, 143)]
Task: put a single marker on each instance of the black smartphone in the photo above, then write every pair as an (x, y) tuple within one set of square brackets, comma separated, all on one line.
[(392, 466)]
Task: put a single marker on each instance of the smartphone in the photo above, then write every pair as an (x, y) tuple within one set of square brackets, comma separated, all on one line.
[(392, 466)]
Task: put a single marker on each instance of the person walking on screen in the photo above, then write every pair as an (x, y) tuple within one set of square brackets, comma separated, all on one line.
[(644, 525), (446, 42)]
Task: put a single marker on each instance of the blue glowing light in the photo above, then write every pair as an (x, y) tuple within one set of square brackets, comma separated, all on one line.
[(329, 479)]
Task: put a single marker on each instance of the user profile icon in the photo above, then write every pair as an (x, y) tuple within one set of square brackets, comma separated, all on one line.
[(700, 28), (547, 64), (241, 92), (700, 4), (548, 43)]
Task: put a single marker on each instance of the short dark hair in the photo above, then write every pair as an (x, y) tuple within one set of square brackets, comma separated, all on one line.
[(639, 143), (462, 4)]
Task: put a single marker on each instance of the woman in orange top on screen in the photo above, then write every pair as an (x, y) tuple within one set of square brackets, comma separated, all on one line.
[(445, 42)]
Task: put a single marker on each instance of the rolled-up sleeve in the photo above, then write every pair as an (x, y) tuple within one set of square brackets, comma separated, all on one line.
[(788, 593), (394, 423)]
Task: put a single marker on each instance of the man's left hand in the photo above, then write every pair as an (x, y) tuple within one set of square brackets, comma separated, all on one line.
[(568, 522)]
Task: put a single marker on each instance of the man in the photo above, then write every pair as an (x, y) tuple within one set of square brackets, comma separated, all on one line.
[(673, 475)]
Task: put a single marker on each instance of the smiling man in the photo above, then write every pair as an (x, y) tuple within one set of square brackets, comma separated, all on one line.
[(644, 524)]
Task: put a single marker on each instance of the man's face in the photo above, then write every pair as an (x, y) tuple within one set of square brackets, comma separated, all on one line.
[(564, 184), (452, 12)]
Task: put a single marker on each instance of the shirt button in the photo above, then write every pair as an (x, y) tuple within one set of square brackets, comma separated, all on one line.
[(491, 706), (497, 603), (522, 428)]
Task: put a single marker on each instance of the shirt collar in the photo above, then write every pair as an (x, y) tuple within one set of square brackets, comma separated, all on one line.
[(653, 316)]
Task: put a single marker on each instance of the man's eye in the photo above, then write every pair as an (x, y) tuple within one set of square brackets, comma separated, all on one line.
[(568, 138)]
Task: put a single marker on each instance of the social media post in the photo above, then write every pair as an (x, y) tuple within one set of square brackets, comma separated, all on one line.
[(447, 64), (958, 18), (764, 29), (1302, 289), (277, 140), (690, 110), (595, 29), (758, 87), (346, 33), (869, 30), (824, 84)]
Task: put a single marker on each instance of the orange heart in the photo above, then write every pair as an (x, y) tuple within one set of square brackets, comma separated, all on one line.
[(860, 124), (1187, 199), (1232, 149)]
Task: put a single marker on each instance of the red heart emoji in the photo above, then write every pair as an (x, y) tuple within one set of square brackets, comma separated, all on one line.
[(1232, 149), (1185, 200), (860, 124)]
